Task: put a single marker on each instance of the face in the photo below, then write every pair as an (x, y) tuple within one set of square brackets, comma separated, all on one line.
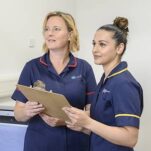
[(56, 34), (105, 50)]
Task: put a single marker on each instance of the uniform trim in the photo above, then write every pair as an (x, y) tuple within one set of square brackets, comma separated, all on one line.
[(116, 73), (70, 65), (131, 115), (75, 63), (42, 62), (90, 93)]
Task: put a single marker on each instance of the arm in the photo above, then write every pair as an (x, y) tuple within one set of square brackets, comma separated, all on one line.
[(24, 111), (79, 128), (90, 91), (125, 136)]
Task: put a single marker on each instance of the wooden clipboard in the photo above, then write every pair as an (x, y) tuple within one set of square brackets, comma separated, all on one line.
[(53, 102)]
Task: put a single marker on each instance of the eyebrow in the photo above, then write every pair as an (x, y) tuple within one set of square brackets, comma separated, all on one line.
[(101, 41), (53, 26)]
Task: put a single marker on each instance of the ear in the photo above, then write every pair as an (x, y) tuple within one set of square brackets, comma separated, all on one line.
[(120, 48), (70, 35)]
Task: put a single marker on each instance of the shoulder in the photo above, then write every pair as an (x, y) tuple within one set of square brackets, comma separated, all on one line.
[(125, 79), (29, 67), (83, 63), (34, 61)]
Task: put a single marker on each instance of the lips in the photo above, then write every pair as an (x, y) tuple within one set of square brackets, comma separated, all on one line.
[(96, 56), (51, 40)]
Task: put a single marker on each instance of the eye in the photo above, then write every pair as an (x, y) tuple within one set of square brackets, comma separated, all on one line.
[(93, 43), (102, 44), (56, 29), (46, 29)]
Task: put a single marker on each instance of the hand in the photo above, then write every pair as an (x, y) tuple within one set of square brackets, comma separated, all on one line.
[(52, 121), (33, 108), (72, 127), (78, 117)]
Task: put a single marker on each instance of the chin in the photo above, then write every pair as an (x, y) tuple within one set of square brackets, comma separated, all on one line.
[(97, 63)]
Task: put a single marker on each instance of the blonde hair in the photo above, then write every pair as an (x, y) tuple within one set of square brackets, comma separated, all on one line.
[(71, 26)]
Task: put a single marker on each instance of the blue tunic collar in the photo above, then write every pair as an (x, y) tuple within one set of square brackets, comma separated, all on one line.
[(46, 61), (120, 68)]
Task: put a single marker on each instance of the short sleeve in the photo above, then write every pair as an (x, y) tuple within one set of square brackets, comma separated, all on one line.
[(127, 102), (24, 79), (90, 85)]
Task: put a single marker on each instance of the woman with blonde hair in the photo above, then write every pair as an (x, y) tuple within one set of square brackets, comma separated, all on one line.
[(61, 72)]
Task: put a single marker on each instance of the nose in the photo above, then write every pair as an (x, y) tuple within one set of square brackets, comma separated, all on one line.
[(95, 49), (50, 32)]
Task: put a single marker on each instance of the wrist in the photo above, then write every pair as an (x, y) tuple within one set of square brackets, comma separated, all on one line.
[(86, 131), (89, 124)]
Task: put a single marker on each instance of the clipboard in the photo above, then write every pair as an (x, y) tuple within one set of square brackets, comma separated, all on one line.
[(53, 102)]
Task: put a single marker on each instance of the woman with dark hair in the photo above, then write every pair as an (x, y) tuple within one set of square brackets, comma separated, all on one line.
[(118, 102)]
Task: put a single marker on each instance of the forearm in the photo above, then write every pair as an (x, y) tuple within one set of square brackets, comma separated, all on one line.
[(124, 136), (87, 110)]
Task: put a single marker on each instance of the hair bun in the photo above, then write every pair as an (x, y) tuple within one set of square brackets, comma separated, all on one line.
[(121, 23)]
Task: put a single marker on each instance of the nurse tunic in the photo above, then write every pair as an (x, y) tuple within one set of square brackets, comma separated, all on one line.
[(118, 102), (77, 83)]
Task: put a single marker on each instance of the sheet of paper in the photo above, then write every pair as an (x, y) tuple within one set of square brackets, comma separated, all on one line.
[(53, 102)]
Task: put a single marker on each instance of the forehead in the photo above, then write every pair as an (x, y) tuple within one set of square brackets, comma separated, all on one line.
[(103, 35), (56, 21)]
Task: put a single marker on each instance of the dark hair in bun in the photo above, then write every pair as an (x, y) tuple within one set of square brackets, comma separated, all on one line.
[(120, 30), (121, 23)]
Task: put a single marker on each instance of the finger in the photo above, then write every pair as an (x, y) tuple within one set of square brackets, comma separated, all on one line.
[(72, 122), (37, 110), (75, 128), (32, 103), (72, 116), (68, 123), (70, 126), (30, 106), (40, 106), (68, 112), (73, 110), (52, 122), (67, 109), (31, 113)]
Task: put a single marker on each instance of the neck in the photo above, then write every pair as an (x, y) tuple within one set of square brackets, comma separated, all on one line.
[(59, 56), (109, 67), (59, 60)]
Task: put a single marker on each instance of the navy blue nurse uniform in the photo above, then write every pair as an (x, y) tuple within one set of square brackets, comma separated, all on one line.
[(77, 83), (118, 102)]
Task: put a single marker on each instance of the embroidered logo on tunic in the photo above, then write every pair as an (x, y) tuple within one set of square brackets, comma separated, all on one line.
[(76, 77), (105, 91)]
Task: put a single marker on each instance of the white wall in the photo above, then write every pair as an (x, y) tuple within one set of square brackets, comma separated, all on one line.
[(94, 13), (21, 21), (21, 35)]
